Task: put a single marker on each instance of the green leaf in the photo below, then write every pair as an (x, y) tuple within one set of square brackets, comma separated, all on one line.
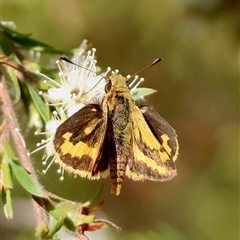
[(7, 186), (11, 77), (6, 174), (7, 203), (25, 180), (25, 41), (56, 198), (142, 92), (9, 74), (9, 151), (56, 226), (6, 46), (6, 28), (42, 108), (15, 84)]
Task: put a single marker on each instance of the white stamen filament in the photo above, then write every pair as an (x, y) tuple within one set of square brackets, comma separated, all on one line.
[(138, 83), (49, 165)]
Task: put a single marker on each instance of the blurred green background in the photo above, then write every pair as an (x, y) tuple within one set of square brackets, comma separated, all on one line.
[(198, 94)]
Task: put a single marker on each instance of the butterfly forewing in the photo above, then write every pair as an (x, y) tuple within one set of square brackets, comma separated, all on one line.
[(80, 144)]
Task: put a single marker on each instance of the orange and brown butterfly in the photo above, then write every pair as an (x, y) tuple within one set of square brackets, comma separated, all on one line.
[(121, 137)]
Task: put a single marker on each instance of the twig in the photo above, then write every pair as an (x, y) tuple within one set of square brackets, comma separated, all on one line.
[(13, 127)]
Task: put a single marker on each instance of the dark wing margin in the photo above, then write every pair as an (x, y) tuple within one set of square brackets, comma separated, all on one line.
[(80, 143), (159, 126)]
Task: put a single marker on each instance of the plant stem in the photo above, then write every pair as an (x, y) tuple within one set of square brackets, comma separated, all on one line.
[(13, 126)]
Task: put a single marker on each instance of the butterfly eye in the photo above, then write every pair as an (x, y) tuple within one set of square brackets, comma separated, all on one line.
[(108, 87)]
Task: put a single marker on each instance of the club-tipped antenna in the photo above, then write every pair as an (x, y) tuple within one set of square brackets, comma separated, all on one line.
[(143, 69), (71, 62)]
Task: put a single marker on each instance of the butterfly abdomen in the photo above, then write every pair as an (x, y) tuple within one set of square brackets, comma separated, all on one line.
[(119, 116)]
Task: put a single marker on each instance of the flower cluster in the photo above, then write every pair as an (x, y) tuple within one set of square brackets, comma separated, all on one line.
[(79, 84)]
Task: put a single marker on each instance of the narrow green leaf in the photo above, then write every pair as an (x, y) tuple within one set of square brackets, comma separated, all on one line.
[(6, 174), (26, 41), (142, 92), (25, 180), (42, 108), (7, 29), (6, 46), (15, 84), (7, 204), (10, 76), (8, 149), (56, 226), (56, 198)]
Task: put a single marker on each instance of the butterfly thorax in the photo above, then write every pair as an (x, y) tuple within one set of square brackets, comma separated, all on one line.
[(118, 103)]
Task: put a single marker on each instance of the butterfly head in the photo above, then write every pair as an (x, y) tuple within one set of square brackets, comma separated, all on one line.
[(116, 81)]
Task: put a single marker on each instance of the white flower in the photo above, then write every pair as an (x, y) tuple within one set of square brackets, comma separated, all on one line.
[(9, 24), (80, 83), (46, 144)]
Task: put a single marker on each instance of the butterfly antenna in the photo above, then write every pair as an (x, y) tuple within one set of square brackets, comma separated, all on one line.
[(69, 61), (143, 69)]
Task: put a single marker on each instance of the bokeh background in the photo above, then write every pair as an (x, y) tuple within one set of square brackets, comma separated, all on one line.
[(198, 94)]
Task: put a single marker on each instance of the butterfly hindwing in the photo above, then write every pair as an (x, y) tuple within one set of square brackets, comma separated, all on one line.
[(161, 129), (152, 156), (80, 143)]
